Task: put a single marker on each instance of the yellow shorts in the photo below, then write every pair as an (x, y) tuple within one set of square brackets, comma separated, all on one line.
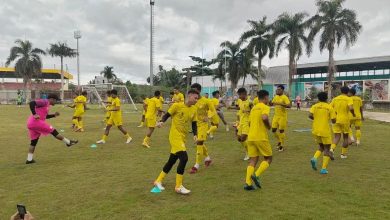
[(323, 140), (150, 122), (243, 128), (78, 113), (279, 123), (115, 120), (356, 122), (259, 148), (177, 145), (108, 115), (215, 119), (202, 131), (340, 128)]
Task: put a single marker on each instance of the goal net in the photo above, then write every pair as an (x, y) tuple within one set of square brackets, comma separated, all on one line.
[(97, 94)]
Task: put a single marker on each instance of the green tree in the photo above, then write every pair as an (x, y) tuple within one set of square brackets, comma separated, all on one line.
[(336, 24), (246, 67), (232, 53), (219, 72), (200, 68), (289, 30), (261, 42), (28, 63), (61, 50), (108, 73)]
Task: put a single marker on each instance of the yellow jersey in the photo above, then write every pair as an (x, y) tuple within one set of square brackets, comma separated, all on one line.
[(255, 101), (257, 129), (161, 100), (245, 108), (80, 102), (182, 117), (203, 106), (116, 102), (109, 101), (322, 113), (179, 97), (341, 106), (215, 102), (280, 111), (357, 104), (154, 104)]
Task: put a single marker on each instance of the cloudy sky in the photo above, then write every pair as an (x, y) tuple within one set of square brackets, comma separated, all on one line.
[(116, 32)]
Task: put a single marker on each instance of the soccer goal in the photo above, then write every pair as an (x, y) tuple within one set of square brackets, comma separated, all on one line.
[(97, 93)]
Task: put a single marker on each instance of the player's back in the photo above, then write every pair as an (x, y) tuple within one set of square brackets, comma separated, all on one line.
[(257, 129), (80, 101), (153, 105), (341, 105), (357, 105), (245, 108), (322, 113), (116, 102), (202, 108)]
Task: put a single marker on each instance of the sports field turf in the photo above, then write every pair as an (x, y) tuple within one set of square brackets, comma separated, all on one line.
[(114, 180)]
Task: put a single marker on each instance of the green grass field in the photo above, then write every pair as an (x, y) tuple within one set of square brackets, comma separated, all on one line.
[(114, 180)]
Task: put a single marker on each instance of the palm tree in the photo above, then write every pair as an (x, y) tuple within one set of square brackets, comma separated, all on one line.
[(289, 30), (261, 42), (246, 67), (61, 50), (219, 73), (336, 24), (232, 53), (28, 61), (109, 74)]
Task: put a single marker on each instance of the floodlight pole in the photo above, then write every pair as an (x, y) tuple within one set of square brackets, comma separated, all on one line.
[(151, 43), (77, 36)]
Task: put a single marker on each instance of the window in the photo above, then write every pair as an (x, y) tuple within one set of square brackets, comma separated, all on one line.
[(349, 73), (364, 73), (343, 74), (386, 71)]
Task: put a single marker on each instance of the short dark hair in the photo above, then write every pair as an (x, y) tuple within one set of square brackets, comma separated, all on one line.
[(262, 94), (344, 89), (322, 96), (176, 87), (215, 93), (157, 93), (241, 90), (84, 93), (280, 86), (196, 86), (53, 96), (192, 91), (108, 92), (352, 91), (172, 93), (114, 92)]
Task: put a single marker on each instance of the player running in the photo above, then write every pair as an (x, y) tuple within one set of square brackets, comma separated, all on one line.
[(258, 142), (144, 106), (115, 119), (37, 125), (321, 113), (177, 96), (279, 122), (153, 110), (182, 115), (214, 118), (356, 121), (79, 105), (343, 106)]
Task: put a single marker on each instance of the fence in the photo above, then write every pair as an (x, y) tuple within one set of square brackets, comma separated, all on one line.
[(11, 96)]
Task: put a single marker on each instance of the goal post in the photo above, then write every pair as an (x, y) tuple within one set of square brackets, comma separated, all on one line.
[(97, 93)]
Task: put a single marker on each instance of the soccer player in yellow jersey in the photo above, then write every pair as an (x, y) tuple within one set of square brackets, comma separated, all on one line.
[(279, 121), (203, 106), (356, 121), (153, 109), (343, 105), (108, 106), (258, 142), (321, 113), (177, 96), (144, 105), (215, 118), (182, 115), (244, 107), (80, 104), (255, 101), (115, 119)]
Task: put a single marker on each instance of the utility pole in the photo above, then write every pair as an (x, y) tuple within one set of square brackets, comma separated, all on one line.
[(151, 42), (77, 36)]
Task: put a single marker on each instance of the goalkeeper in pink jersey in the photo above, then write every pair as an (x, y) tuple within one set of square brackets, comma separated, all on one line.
[(37, 125)]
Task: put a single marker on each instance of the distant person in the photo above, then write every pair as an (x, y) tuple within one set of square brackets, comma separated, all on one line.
[(144, 106), (108, 106), (177, 96), (115, 119), (79, 105), (298, 101), (219, 109), (214, 118), (258, 142), (321, 114), (37, 125), (343, 106), (19, 100), (279, 121), (206, 95), (356, 121)]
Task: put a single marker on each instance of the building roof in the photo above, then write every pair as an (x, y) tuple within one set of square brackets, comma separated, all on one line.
[(6, 72)]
